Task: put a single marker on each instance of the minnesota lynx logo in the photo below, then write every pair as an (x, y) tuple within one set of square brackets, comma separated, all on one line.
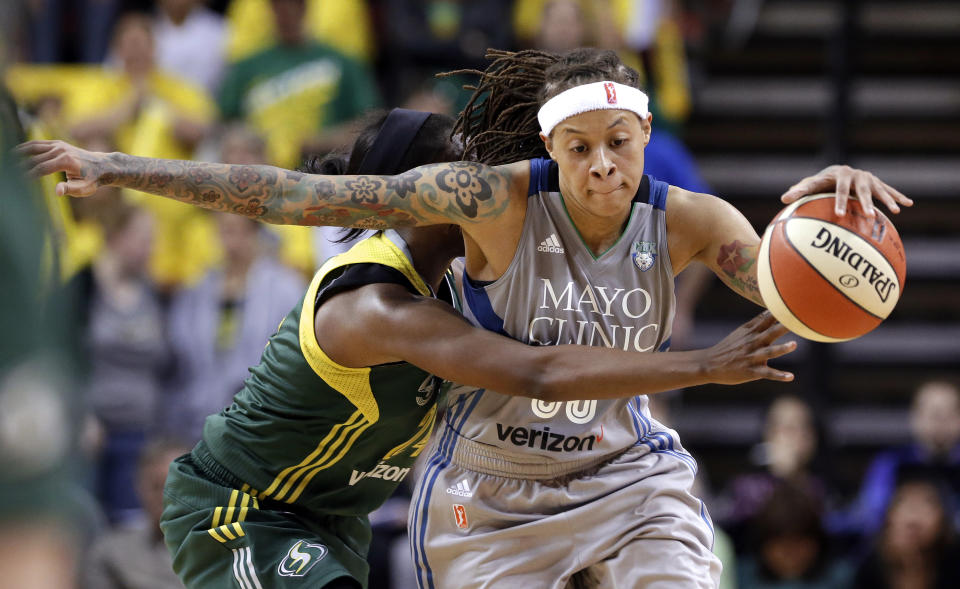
[(644, 254), (301, 557)]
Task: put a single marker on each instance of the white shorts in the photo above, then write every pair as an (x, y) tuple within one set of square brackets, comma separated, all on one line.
[(628, 522)]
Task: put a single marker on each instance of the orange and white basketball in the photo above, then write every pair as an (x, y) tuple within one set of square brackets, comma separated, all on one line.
[(826, 277)]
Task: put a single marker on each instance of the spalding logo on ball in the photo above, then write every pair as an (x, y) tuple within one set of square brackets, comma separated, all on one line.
[(826, 277)]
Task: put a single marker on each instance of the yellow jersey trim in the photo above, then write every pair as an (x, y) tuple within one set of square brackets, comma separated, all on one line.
[(229, 529), (343, 443), (313, 472), (423, 431), (322, 452), (352, 383)]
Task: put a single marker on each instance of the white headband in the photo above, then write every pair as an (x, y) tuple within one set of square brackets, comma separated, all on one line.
[(594, 96)]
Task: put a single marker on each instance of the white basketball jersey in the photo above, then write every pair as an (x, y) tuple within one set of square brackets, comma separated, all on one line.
[(556, 291)]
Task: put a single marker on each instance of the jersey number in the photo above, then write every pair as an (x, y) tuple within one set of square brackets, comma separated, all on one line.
[(577, 411)]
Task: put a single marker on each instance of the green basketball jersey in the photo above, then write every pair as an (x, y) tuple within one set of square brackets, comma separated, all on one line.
[(309, 432)]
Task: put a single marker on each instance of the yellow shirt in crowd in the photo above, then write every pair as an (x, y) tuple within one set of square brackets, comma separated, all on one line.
[(670, 80), (185, 240), (343, 24)]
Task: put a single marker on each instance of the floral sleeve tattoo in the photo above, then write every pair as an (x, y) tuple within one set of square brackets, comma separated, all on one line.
[(738, 262), (458, 192)]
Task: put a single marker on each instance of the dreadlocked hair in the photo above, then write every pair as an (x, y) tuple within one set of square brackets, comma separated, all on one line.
[(499, 123)]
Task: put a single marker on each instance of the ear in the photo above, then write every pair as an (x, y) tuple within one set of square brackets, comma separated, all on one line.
[(647, 126), (547, 143)]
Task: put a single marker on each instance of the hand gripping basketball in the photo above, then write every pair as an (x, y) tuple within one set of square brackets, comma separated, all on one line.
[(830, 277), (742, 356), (843, 180)]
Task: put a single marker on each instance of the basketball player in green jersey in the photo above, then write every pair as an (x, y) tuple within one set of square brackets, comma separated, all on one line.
[(40, 515), (278, 491)]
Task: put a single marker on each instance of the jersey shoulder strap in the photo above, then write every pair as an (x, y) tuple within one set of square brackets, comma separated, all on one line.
[(354, 276), (352, 383), (544, 176)]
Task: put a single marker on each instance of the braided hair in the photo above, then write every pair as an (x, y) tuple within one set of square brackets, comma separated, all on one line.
[(499, 123)]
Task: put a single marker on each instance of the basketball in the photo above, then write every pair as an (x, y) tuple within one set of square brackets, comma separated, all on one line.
[(830, 278)]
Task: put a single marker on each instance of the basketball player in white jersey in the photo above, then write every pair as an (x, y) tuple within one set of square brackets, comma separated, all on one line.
[(578, 249)]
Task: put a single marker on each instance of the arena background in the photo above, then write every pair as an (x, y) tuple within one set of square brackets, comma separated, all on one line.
[(754, 95)]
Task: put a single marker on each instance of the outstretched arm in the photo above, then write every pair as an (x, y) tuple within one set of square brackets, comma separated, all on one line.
[(462, 193), (390, 324)]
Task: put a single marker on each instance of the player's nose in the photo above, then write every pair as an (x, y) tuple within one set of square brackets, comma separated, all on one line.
[(602, 165)]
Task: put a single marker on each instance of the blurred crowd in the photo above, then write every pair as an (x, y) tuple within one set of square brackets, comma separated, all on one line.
[(790, 526), (175, 303)]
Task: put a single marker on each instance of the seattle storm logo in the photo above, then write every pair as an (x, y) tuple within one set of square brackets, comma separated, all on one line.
[(301, 557), (644, 254)]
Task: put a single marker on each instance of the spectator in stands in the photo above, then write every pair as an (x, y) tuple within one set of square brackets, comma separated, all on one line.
[(141, 108), (219, 327), (786, 454), (69, 30), (345, 25), (240, 144), (123, 327), (790, 549), (421, 37), (645, 33), (651, 30), (562, 25), (934, 452), (136, 557), (191, 41), (917, 546), (298, 93)]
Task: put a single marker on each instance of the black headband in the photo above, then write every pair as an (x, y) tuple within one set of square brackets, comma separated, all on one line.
[(392, 142)]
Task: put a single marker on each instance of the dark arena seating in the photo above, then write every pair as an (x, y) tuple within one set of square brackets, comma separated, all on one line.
[(798, 85)]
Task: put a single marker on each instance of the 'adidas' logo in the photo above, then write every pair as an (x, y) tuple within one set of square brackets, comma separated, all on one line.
[(551, 245), (461, 489)]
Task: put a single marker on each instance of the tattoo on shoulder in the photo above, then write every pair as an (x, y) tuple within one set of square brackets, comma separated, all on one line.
[(463, 181)]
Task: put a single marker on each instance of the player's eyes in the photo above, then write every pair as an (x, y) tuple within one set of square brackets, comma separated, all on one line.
[(578, 148), (618, 142)]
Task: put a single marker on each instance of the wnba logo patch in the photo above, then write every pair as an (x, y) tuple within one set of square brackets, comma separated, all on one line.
[(460, 516), (644, 254), (611, 92), (301, 557)]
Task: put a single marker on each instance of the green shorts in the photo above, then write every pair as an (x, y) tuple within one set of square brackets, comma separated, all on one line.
[(220, 536)]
